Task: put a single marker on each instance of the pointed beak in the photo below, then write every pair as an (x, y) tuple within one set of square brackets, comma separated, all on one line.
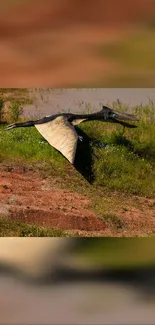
[(124, 116), (118, 117)]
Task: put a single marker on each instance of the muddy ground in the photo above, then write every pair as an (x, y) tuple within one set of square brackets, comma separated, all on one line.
[(27, 196)]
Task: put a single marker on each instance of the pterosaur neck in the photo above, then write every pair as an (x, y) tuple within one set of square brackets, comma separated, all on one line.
[(93, 116)]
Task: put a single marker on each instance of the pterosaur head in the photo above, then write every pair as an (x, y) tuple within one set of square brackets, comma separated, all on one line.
[(111, 115)]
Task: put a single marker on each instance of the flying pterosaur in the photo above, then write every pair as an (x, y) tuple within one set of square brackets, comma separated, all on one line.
[(59, 130)]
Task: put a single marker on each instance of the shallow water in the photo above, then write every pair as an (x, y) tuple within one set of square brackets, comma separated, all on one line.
[(50, 101)]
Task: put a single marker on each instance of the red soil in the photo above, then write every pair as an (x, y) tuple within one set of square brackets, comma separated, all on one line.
[(29, 198), (26, 196)]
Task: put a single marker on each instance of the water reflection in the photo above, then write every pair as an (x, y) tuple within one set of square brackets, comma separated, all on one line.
[(51, 101)]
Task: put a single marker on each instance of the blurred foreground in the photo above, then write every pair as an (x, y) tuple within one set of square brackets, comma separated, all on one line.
[(74, 43), (70, 281)]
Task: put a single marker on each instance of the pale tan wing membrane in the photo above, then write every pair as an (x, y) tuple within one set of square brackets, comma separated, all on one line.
[(61, 135), (78, 121)]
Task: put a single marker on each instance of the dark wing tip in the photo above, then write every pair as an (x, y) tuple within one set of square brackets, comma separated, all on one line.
[(10, 126)]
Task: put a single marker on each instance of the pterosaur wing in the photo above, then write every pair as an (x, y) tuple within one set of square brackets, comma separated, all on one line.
[(61, 135)]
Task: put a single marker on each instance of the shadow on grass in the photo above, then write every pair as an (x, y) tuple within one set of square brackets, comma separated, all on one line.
[(84, 155), (83, 158), (145, 152)]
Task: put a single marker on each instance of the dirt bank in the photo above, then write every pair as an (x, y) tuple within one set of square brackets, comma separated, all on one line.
[(27, 196)]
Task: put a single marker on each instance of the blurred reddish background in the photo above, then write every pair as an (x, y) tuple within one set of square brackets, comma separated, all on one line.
[(61, 43), (41, 14)]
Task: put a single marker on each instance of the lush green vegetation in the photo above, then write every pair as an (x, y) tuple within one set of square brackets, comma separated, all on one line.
[(128, 161), (123, 167), (125, 164), (27, 145)]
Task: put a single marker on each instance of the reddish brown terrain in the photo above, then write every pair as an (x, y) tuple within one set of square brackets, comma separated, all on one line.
[(27, 196), (54, 43)]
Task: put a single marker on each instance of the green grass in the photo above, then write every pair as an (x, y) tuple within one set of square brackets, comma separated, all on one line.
[(28, 145), (10, 228), (14, 111), (125, 167), (115, 221), (126, 164)]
